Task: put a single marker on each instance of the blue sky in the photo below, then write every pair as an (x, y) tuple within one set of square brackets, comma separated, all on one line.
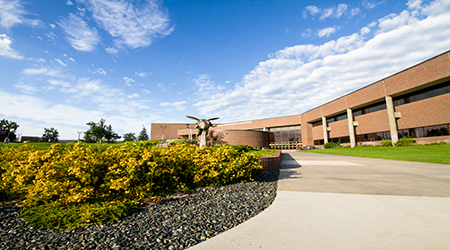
[(64, 63)]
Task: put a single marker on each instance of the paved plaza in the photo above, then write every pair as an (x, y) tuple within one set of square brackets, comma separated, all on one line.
[(341, 202)]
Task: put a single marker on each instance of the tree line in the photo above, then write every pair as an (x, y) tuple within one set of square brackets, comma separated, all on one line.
[(97, 132)]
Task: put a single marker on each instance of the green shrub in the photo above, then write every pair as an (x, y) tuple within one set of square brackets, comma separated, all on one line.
[(405, 141), (386, 143), (331, 144), (75, 184)]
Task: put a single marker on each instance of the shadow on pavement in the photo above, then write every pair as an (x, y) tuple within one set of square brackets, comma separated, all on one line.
[(289, 171)]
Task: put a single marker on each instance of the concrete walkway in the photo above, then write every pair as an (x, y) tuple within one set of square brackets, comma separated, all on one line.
[(340, 202)]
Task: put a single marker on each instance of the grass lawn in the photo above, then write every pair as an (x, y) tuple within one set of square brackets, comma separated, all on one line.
[(263, 152), (420, 153)]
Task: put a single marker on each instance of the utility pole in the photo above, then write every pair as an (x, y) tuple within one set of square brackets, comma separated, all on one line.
[(162, 127)]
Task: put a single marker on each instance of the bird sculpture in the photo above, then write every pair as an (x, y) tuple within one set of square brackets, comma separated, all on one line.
[(203, 124)]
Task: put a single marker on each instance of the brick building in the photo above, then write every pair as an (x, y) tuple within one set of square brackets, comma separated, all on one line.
[(412, 103)]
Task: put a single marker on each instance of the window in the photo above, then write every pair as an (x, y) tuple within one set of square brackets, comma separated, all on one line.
[(316, 124), (285, 134), (369, 109), (439, 130), (423, 94), (337, 118)]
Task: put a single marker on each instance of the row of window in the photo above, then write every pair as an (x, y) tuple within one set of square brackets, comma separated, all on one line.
[(285, 134), (369, 109), (337, 118), (438, 130), (441, 89)]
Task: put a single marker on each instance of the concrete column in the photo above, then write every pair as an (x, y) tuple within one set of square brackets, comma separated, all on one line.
[(351, 128), (325, 132), (391, 117)]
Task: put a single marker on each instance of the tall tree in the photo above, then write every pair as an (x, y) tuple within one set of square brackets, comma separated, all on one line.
[(100, 131), (143, 136), (129, 137), (8, 129), (50, 134)]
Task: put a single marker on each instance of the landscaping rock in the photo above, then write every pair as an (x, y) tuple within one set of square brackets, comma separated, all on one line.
[(176, 222)]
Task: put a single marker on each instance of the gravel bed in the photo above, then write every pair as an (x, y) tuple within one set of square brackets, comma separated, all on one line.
[(176, 222)]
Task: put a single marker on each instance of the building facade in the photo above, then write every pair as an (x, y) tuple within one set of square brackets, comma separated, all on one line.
[(412, 103)]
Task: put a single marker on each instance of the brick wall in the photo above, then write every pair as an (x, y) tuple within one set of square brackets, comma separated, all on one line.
[(271, 163), (428, 112), (372, 122), (338, 129), (426, 72)]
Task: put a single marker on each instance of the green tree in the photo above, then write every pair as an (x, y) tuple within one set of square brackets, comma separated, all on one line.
[(50, 134), (129, 137), (100, 131), (143, 136), (8, 129)]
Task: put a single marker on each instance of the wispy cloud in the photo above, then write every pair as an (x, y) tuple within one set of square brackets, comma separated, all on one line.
[(331, 12), (129, 81), (48, 71), (371, 4), (326, 32), (302, 77), (5, 48), (79, 34), (176, 105), (12, 13), (133, 25), (100, 71)]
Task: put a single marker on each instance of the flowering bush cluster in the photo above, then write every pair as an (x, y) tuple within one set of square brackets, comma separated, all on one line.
[(74, 184)]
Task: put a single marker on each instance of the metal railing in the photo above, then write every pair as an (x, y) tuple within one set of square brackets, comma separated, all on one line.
[(289, 145)]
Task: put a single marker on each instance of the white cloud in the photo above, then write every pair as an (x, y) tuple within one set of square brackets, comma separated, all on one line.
[(43, 71), (176, 105), (326, 32), (133, 26), (27, 88), (296, 79), (129, 81), (331, 12), (312, 10), (135, 95), (69, 2), (12, 13), (100, 71), (146, 91), (79, 34), (61, 63), (143, 74), (112, 50), (5, 48), (206, 86), (371, 4)]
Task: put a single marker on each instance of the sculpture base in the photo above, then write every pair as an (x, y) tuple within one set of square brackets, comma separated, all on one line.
[(203, 139)]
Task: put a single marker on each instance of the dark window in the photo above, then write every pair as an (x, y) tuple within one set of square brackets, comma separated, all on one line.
[(357, 112), (337, 118), (430, 93), (433, 91), (316, 124), (446, 89), (369, 109)]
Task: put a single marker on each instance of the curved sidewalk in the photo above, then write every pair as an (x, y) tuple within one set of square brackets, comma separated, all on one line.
[(340, 202)]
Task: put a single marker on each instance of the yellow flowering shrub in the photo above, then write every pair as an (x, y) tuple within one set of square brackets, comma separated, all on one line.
[(70, 177)]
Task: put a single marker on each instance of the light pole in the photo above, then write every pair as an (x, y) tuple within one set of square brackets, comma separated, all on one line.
[(162, 127), (190, 135), (79, 133)]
